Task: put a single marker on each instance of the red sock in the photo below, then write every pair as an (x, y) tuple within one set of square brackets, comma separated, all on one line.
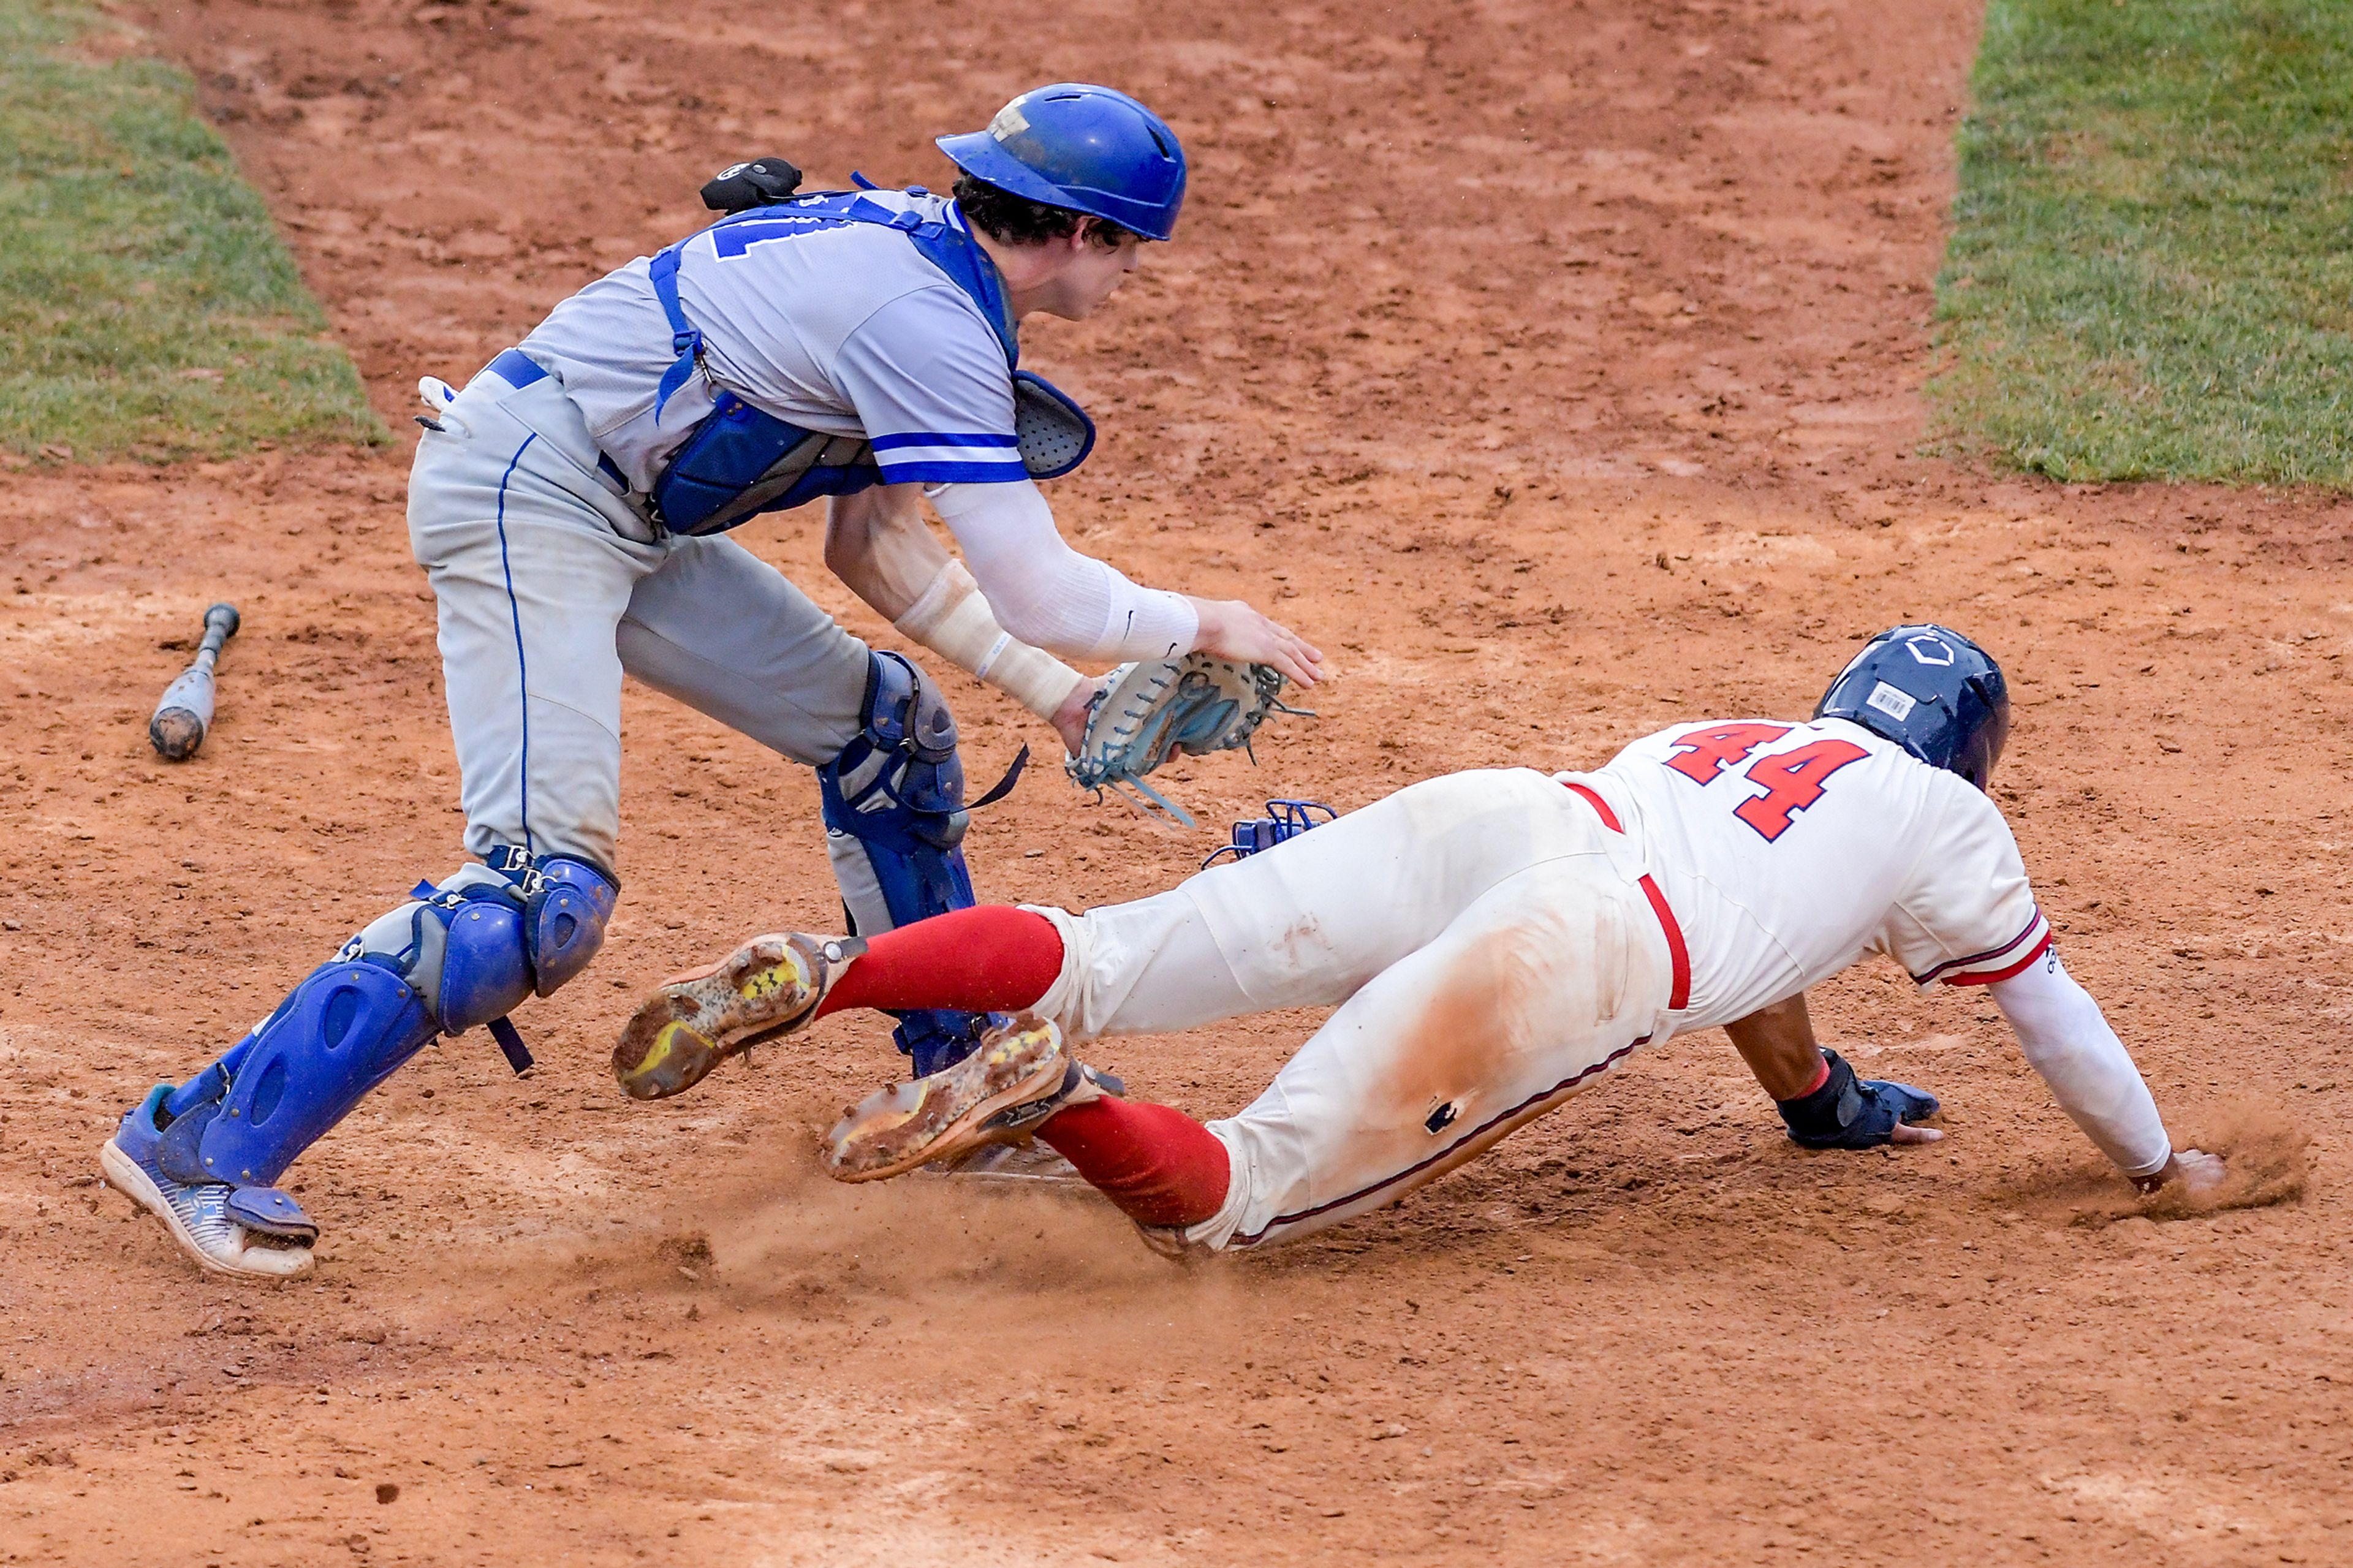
[(1158, 1164), (993, 958)]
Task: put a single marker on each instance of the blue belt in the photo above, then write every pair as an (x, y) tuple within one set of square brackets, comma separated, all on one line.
[(519, 370)]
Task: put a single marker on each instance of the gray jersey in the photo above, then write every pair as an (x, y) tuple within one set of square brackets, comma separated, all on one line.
[(847, 330)]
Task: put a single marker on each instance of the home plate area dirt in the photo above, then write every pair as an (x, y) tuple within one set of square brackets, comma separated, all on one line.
[(1556, 367)]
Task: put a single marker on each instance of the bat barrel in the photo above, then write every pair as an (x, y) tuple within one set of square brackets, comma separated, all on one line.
[(176, 733)]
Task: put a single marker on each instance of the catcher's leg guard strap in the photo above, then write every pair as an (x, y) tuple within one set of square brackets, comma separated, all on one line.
[(894, 819)]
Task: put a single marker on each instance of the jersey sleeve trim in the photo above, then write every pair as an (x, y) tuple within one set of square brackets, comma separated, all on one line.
[(952, 473), (1995, 964), (942, 438), (949, 458)]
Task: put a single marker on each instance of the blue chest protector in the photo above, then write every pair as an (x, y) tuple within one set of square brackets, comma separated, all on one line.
[(741, 461)]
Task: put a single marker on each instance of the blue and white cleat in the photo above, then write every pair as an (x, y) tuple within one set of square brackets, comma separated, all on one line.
[(226, 1229)]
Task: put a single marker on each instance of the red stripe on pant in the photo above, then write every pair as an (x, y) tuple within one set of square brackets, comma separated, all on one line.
[(1678, 953)]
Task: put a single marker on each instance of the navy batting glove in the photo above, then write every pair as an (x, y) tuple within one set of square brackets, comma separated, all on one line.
[(1849, 1112)]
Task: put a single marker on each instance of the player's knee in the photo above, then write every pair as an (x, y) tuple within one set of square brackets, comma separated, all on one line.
[(488, 937), (894, 818), (900, 773), (565, 915)]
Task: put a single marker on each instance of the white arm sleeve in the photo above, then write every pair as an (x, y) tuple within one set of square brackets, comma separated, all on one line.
[(2067, 1041), (1047, 593)]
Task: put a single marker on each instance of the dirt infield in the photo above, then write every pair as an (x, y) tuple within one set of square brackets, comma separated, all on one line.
[(1554, 365)]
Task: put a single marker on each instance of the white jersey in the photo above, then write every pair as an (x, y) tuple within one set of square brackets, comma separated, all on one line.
[(1787, 852), (847, 331)]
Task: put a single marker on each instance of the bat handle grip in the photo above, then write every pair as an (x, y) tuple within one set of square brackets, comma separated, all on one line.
[(220, 624)]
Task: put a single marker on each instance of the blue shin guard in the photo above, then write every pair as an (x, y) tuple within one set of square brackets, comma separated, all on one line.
[(203, 1157), (894, 820), (463, 954), (342, 1032)]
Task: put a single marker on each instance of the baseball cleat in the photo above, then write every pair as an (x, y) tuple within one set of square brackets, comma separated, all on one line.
[(769, 987), (201, 1217), (1009, 1165), (1016, 1078), (1169, 1241), (1031, 1164)]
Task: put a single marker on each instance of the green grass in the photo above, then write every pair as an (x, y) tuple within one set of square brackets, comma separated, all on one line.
[(147, 305), (2151, 270)]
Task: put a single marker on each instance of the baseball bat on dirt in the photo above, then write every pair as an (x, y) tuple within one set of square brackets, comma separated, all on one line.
[(186, 711)]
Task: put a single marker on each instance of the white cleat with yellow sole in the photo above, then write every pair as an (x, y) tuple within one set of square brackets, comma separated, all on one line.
[(765, 989), (1017, 1077)]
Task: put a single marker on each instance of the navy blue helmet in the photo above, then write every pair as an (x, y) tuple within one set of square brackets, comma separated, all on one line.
[(1932, 692), (1091, 149)]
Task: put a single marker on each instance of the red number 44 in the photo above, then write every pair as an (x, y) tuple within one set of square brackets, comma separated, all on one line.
[(1792, 780)]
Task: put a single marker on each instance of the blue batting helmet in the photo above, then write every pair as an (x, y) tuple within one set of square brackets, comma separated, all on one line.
[(1089, 149), (1932, 692)]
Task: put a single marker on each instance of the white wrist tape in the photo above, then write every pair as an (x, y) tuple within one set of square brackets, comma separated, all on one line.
[(953, 619)]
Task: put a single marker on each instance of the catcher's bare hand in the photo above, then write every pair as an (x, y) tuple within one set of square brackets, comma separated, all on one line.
[(1231, 629), (1070, 718)]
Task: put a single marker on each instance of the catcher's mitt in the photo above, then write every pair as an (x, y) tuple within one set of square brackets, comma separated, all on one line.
[(1149, 711)]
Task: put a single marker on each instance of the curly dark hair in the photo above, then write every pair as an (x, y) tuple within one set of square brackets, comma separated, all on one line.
[(1018, 220)]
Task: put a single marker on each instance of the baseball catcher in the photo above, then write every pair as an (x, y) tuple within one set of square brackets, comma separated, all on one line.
[(1494, 942), (570, 507)]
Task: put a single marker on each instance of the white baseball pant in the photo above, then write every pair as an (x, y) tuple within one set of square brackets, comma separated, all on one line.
[(1491, 945)]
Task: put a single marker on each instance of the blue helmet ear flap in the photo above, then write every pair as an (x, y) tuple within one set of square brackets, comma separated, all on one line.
[(1932, 692)]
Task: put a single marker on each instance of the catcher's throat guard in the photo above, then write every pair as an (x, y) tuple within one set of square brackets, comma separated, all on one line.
[(1150, 711)]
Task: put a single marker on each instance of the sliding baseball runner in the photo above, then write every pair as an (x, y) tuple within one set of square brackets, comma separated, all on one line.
[(569, 508), (1494, 942)]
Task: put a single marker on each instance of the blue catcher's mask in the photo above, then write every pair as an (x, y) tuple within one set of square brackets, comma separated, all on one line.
[(1932, 692), (1089, 149)]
